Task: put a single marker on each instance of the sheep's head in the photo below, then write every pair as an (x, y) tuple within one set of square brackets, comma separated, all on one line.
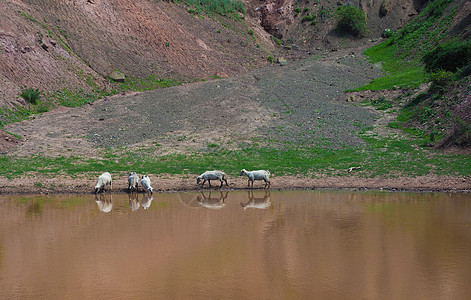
[(97, 189), (198, 179), (242, 172)]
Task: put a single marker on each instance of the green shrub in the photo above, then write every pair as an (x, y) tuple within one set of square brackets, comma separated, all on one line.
[(388, 32), (352, 20), (275, 40), (440, 80), (30, 95), (308, 18), (449, 56), (381, 103), (270, 59)]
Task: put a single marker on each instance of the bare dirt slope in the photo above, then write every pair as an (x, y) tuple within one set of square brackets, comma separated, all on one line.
[(294, 103), (73, 44), (57, 44)]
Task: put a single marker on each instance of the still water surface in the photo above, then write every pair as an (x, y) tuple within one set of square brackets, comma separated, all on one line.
[(237, 245)]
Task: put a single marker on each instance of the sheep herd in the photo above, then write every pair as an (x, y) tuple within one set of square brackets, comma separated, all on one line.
[(133, 180)]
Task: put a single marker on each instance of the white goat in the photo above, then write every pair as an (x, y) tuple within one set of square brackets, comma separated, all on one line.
[(256, 175), (212, 175), (133, 181), (102, 181), (146, 185)]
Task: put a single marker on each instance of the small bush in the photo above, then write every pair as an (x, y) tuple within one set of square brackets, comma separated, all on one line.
[(440, 80), (448, 56), (352, 20), (382, 103), (387, 33), (30, 95), (308, 18), (275, 40), (270, 59)]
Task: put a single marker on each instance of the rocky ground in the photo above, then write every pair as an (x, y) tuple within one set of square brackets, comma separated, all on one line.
[(296, 103)]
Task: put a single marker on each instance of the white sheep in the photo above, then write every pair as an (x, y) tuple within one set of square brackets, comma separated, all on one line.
[(257, 175), (102, 181), (133, 181), (146, 185), (212, 175)]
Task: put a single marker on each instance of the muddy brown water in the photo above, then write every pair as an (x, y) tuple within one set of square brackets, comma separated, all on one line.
[(237, 245)]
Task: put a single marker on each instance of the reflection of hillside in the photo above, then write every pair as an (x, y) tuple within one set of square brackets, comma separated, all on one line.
[(307, 245)]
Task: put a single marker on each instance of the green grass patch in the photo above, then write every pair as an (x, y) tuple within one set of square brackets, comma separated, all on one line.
[(379, 157), (73, 98), (229, 8), (399, 73), (148, 83), (401, 54)]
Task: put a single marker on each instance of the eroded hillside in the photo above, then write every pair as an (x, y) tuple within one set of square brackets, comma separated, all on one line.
[(74, 44), (56, 44)]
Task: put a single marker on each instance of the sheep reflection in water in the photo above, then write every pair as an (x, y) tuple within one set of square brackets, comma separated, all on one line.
[(146, 201), (257, 202), (212, 202), (134, 201), (104, 204)]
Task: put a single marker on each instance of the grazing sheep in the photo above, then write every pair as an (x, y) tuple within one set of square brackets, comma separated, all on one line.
[(212, 175), (146, 186), (257, 175), (133, 181), (102, 182)]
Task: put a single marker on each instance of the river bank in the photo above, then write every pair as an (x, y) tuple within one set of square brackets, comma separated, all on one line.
[(167, 183)]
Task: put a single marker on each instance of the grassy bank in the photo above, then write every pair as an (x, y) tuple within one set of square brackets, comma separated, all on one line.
[(380, 157)]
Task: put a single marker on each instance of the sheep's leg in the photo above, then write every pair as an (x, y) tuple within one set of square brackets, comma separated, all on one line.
[(209, 181), (111, 186), (204, 180), (221, 183), (248, 182), (225, 181)]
